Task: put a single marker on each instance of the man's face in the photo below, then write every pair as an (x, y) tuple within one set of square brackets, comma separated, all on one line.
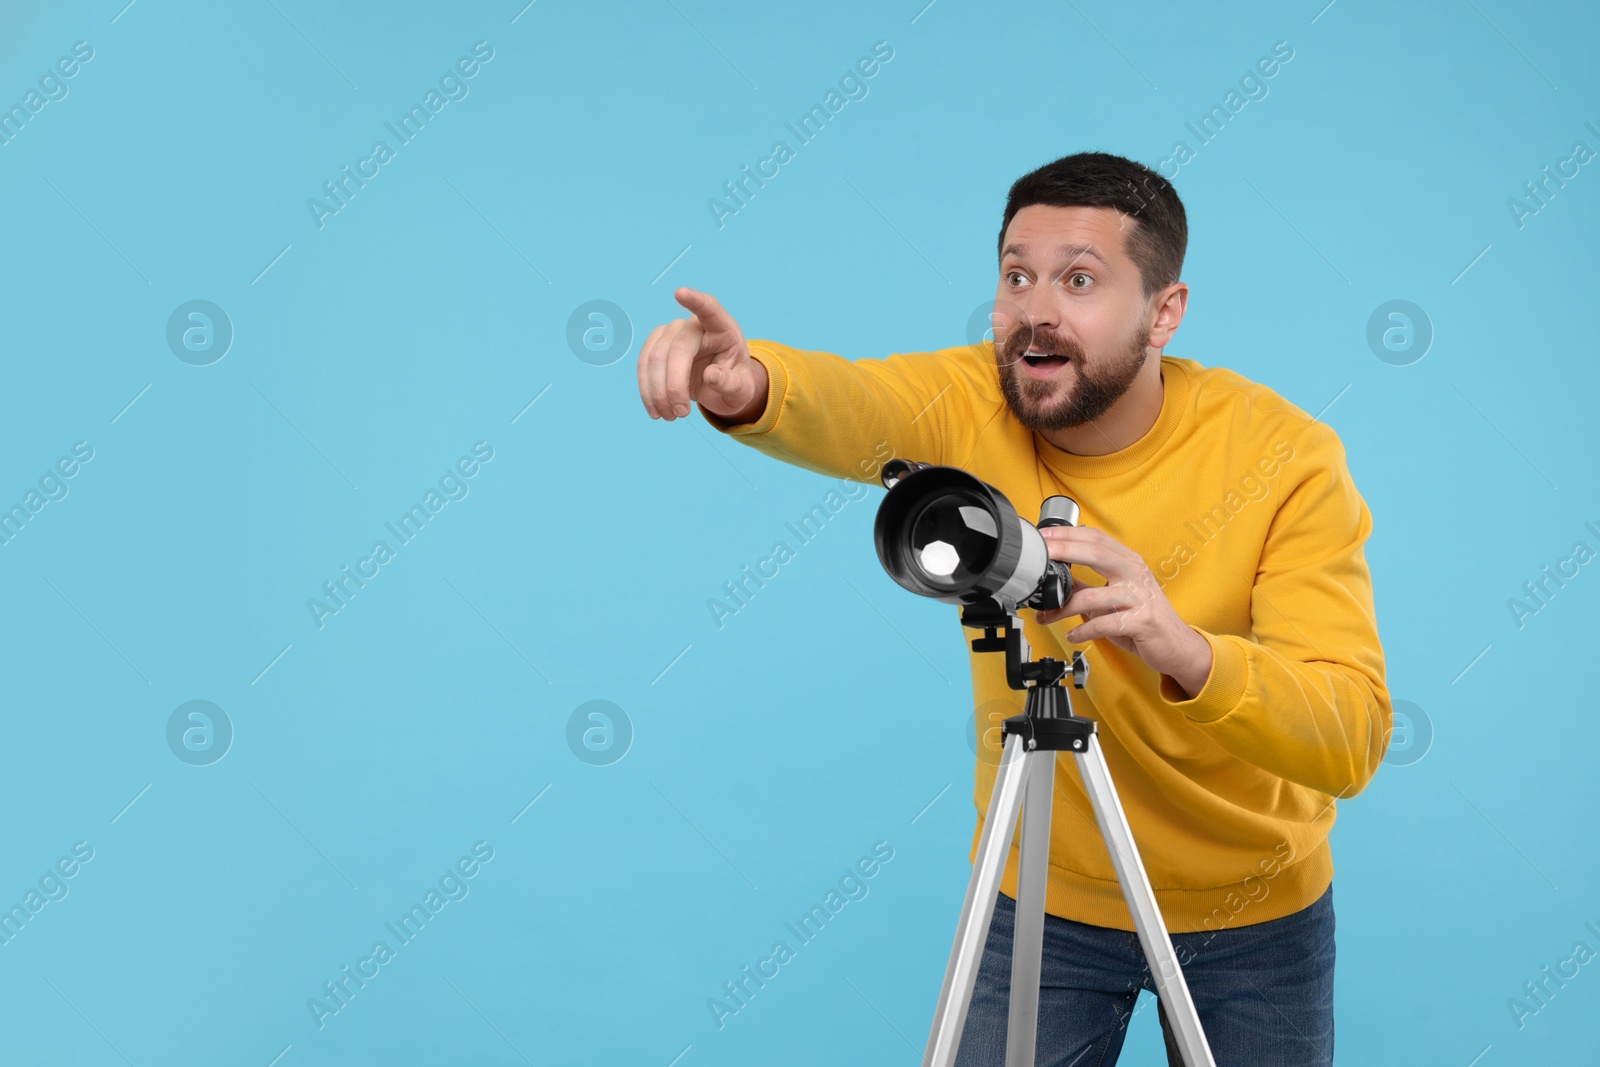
[(1070, 327)]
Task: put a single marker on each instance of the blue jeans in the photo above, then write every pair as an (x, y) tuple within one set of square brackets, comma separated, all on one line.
[(1264, 992)]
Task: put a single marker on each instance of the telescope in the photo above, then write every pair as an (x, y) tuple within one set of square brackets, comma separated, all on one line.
[(944, 534)]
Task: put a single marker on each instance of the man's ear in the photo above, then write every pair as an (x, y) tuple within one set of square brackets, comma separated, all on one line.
[(1169, 307)]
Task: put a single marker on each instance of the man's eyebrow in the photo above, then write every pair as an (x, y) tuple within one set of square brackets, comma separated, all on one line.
[(1074, 251)]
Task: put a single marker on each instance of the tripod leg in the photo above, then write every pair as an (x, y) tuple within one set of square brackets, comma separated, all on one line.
[(1027, 939), (1170, 986), (977, 909)]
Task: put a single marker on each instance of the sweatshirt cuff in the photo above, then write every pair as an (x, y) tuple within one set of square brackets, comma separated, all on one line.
[(777, 389), (1224, 687)]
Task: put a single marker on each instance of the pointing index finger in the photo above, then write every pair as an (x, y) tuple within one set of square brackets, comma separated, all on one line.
[(704, 306)]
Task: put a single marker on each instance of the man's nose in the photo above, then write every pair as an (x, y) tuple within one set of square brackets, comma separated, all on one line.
[(1040, 309)]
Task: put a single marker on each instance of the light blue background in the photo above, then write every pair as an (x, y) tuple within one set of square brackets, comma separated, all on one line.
[(768, 755)]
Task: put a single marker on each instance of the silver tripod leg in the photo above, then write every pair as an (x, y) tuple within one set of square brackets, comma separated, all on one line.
[(977, 909), (1034, 773), (1027, 938), (1173, 991)]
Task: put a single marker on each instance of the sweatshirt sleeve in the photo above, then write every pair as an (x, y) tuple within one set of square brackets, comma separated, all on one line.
[(1305, 698), (847, 418)]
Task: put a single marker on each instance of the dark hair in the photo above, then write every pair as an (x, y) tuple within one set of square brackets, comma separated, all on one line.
[(1155, 242)]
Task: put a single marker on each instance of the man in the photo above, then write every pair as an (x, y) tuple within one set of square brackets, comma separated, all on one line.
[(1236, 674)]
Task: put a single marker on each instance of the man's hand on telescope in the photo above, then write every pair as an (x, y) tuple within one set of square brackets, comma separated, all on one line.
[(1130, 610), (702, 358)]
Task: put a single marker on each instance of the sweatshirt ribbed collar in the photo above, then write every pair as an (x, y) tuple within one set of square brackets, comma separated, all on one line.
[(1176, 386)]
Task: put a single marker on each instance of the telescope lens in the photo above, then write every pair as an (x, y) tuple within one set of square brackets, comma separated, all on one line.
[(953, 539)]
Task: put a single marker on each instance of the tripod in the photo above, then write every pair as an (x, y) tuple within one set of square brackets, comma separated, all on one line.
[(1027, 770)]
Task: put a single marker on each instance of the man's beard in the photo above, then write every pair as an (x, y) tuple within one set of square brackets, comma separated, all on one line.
[(1091, 395)]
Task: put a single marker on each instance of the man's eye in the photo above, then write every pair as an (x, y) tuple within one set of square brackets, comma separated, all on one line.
[(1010, 274), (1080, 275)]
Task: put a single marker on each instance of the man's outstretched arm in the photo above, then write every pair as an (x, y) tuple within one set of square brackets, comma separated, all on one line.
[(812, 409)]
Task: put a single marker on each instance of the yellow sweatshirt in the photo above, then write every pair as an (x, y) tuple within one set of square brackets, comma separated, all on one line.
[(1243, 508)]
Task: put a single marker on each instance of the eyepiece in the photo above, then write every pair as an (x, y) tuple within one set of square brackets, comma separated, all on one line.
[(896, 469), (1058, 511)]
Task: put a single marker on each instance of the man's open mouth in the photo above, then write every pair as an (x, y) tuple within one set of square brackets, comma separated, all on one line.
[(1043, 360)]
